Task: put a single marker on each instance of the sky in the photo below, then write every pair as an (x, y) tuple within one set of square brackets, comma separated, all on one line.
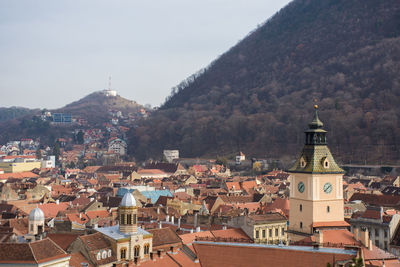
[(55, 52)]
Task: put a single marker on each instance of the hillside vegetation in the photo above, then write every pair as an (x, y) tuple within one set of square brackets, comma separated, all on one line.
[(258, 96), (95, 108), (12, 113)]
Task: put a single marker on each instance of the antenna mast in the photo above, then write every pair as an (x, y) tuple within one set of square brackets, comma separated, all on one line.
[(109, 82)]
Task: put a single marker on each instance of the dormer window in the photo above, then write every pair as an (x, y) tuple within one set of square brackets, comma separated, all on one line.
[(325, 163), (104, 254), (109, 253), (302, 162), (98, 256)]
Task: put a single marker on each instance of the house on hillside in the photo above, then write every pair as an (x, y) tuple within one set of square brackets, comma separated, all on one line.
[(117, 146)]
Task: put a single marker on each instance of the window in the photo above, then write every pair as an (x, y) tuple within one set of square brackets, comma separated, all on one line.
[(276, 232), (121, 219), (109, 253), (301, 225), (386, 233), (377, 243), (376, 232), (263, 233), (301, 207), (257, 234), (386, 245), (98, 256), (129, 219), (328, 209), (134, 218), (270, 233), (104, 255), (123, 253), (146, 249), (283, 231), (137, 251)]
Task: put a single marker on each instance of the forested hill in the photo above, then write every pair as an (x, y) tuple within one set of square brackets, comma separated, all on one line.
[(258, 96)]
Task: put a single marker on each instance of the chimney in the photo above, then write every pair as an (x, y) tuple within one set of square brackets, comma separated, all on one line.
[(191, 231), (179, 222), (197, 229), (172, 219), (159, 224), (364, 238), (381, 213), (57, 201), (158, 210), (80, 215), (319, 237), (167, 218), (166, 209), (195, 219), (356, 233)]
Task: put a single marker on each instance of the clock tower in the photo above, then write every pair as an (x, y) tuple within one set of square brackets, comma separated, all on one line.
[(316, 188)]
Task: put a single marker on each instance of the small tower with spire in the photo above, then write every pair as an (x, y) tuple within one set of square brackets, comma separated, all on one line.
[(127, 214), (36, 222), (316, 188)]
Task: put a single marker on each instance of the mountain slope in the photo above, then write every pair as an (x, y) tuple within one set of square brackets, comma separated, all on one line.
[(258, 96)]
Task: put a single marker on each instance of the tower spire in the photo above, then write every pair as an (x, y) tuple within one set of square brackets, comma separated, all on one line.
[(316, 122)]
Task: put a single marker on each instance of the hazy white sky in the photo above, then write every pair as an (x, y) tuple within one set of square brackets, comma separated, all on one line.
[(53, 52)]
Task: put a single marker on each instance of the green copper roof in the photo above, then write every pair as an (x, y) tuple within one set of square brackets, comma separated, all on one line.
[(314, 157), (316, 123)]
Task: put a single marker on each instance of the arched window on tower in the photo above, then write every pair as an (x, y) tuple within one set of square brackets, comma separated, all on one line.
[(301, 207), (328, 209), (301, 225), (129, 219), (137, 251), (123, 253), (146, 249)]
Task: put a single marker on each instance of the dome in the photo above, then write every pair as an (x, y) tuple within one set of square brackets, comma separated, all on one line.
[(128, 200), (36, 215)]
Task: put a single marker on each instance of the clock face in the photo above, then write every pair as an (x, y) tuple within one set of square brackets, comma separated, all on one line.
[(301, 187), (327, 188)]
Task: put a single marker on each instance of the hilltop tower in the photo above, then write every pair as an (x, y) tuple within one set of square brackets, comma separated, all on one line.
[(316, 188), (127, 214)]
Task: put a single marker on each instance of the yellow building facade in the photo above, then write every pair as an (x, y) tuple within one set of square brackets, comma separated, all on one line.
[(12, 167)]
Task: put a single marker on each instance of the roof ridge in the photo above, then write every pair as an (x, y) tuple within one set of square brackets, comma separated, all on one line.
[(33, 254)]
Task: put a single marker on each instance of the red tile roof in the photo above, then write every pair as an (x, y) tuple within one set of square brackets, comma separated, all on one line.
[(330, 224), (217, 254), (34, 252), (62, 240)]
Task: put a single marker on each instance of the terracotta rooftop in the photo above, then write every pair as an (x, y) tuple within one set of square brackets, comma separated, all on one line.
[(77, 258), (377, 200), (235, 254), (95, 241), (269, 217), (330, 224), (63, 240), (35, 252), (164, 236)]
